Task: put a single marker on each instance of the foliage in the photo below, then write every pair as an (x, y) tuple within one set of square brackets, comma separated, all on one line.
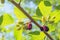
[(46, 11), (18, 13), (1, 19)]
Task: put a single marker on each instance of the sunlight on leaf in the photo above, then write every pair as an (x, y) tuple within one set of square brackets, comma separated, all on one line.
[(41, 36), (18, 33), (17, 0), (7, 19), (55, 14), (57, 19), (45, 10), (19, 14), (38, 37), (51, 27)]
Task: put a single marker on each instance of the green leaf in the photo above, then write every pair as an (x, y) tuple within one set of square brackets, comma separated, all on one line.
[(18, 33), (1, 19), (7, 19), (38, 37), (57, 19), (56, 14), (52, 27), (17, 0), (45, 10), (19, 14), (38, 12), (37, 1), (34, 33), (58, 1), (58, 7), (53, 33), (47, 3)]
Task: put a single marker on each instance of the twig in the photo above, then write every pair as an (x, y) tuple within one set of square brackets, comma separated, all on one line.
[(19, 2), (20, 8)]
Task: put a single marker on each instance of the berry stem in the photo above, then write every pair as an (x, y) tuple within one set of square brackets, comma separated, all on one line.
[(20, 8)]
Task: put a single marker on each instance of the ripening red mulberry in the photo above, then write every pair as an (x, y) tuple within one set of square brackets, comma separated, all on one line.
[(41, 28), (44, 28), (29, 26)]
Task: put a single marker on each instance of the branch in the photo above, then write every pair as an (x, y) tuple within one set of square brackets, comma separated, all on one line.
[(19, 2), (20, 8)]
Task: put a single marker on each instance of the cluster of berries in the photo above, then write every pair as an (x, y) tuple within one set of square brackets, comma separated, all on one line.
[(44, 28), (29, 26)]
